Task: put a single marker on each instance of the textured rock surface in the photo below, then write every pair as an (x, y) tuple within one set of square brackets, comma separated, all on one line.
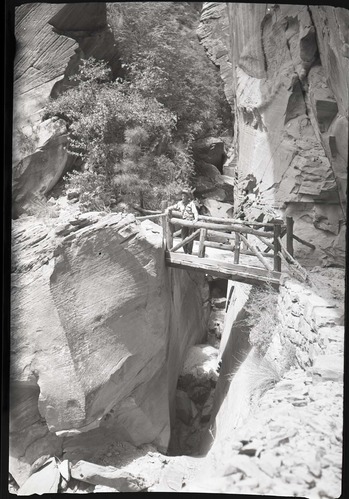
[(285, 70), (287, 438), (99, 328), (50, 41), (194, 397), (211, 150), (44, 481)]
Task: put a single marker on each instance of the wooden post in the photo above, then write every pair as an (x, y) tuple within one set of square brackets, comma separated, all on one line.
[(277, 234), (289, 236), (237, 248), (164, 224), (169, 234), (203, 233)]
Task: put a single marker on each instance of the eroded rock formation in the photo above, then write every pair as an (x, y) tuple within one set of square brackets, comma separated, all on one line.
[(99, 328), (51, 40), (285, 71)]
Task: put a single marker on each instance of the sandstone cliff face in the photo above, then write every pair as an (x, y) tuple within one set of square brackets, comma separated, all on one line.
[(271, 413), (285, 70), (99, 328), (50, 42)]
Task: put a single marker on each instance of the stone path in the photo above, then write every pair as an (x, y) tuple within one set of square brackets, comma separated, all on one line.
[(291, 446)]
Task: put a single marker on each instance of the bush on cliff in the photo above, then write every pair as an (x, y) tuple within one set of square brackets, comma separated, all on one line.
[(163, 59), (119, 135), (134, 135)]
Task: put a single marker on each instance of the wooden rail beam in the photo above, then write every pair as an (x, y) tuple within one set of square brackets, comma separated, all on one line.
[(200, 225), (283, 232), (220, 227), (303, 242), (235, 221), (267, 243), (247, 230), (290, 260), (186, 240), (256, 253)]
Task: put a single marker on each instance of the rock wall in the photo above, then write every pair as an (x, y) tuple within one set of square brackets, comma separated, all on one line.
[(285, 71), (50, 42), (305, 314), (99, 330), (269, 425)]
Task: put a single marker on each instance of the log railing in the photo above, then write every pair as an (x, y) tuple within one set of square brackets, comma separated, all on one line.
[(233, 235), (226, 235)]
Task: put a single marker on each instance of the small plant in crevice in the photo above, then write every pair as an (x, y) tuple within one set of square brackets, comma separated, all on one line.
[(27, 142), (42, 209), (263, 374), (262, 317)]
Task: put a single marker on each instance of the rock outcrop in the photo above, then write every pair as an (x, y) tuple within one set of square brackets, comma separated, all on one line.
[(209, 182), (277, 420), (50, 42), (99, 328), (285, 71)]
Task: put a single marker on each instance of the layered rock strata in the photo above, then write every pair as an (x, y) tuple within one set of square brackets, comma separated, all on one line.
[(99, 328), (285, 71), (51, 40)]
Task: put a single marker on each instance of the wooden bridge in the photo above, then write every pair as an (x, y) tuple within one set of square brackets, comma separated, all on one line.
[(251, 252)]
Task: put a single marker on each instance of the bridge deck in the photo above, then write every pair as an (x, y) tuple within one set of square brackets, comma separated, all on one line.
[(222, 268)]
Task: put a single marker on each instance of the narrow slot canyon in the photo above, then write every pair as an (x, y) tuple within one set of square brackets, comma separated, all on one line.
[(197, 381)]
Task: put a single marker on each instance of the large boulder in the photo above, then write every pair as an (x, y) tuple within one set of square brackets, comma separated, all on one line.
[(99, 329), (218, 209), (209, 183), (211, 150)]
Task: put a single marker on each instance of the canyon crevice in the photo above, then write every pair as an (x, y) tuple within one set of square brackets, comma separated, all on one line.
[(94, 296)]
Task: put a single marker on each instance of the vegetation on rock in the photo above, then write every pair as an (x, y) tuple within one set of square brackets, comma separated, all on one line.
[(135, 134), (262, 317)]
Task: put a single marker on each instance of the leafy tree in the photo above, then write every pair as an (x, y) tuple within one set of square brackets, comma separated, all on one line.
[(164, 60), (117, 132), (134, 135)]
